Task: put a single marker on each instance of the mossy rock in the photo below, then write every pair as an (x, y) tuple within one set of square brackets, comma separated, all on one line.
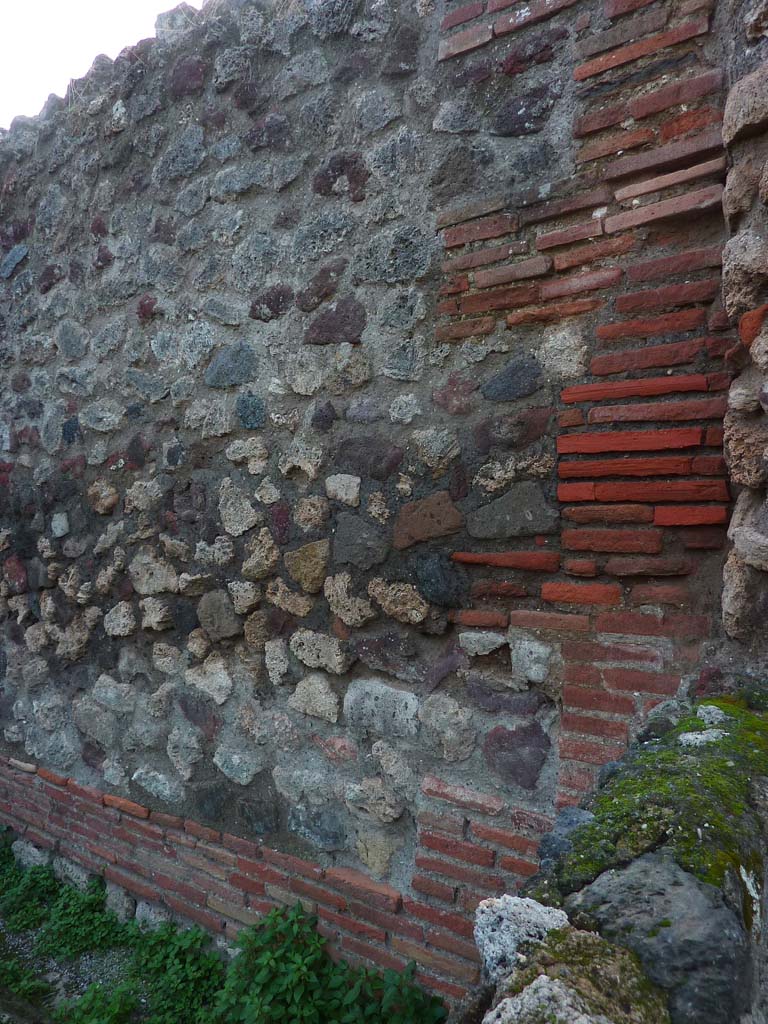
[(697, 801), (605, 980)]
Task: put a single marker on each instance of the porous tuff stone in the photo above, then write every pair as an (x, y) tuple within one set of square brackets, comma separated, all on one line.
[(372, 708), (314, 696), (318, 650), (503, 925)]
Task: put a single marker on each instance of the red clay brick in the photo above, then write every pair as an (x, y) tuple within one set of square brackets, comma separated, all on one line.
[(666, 323), (351, 925), (293, 865), (644, 387), (210, 921), (648, 566), (609, 514), (528, 14), (625, 32), (199, 831), (570, 204), (429, 887), (480, 230), (496, 588), (670, 465), (553, 312), (466, 329), (377, 893), (633, 623), (506, 298), (445, 965), (629, 440), (578, 283), (707, 409), (576, 776), (703, 539), (590, 753), (670, 296), (89, 793), (597, 700), (652, 44), (570, 418), (461, 796), (471, 211), (615, 8), (676, 93), (453, 922), (457, 850), (576, 233), (582, 254), (660, 593), (534, 267), (694, 490), (556, 621), (317, 893), (690, 121), (680, 263), (651, 357), (691, 515), (448, 823), (398, 923), (582, 593), (52, 777), (483, 881), (668, 156), (461, 14), (482, 257), (480, 619), (616, 143), (586, 725), (592, 652), (518, 866), (643, 682), (751, 323), (449, 942), (125, 806), (709, 465), (464, 42), (576, 492), (596, 120), (647, 541), (688, 203), (503, 837)]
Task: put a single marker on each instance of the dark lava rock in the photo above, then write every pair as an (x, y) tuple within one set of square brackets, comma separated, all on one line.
[(369, 456), (517, 755), (344, 322), (251, 411), (440, 581), (324, 417), (322, 286), (272, 303), (520, 377), (235, 364), (522, 511), (359, 542)]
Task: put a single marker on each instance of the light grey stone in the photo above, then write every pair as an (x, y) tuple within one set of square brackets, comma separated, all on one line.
[(315, 696), (372, 708), (318, 650), (502, 925)]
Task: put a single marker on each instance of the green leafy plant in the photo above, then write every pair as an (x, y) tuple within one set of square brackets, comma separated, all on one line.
[(78, 923), (282, 974), (100, 1005), (25, 896), (17, 978), (178, 973)]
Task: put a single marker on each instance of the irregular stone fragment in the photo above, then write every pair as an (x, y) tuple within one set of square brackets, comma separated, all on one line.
[(532, 659), (120, 620), (315, 696), (353, 611), (156, 614), (237, 513), (448, 726), (311, 513), (307, 565), (97, 722), (280, 594), (102, 497), (235, 364), (245, 596), (440, 581), (401, 601), (522, 511), (419, 521), (159, 785), (185, 749), (373, 708), (263, 556), (220, 553), (318, 650), (505, 924), (344, 488), (151, 574), (358, 542), (276, 661), (211, 678), (342, 323), (195, 585), (373, 798), (217, 616), (437, 448)]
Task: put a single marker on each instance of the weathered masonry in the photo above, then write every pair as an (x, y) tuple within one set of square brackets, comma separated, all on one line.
[(361, 445)]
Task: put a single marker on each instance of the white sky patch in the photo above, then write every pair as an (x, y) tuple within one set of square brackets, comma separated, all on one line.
[(45, 43)]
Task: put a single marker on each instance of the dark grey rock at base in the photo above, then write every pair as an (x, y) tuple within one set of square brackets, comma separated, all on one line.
[(358, 542), (689, 942), (440, 581)]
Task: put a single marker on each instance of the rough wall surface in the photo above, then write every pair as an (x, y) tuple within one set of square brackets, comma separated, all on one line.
[(362, 478)]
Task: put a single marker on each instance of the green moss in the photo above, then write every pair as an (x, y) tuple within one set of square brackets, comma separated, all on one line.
[(609, 980), (693, 800)]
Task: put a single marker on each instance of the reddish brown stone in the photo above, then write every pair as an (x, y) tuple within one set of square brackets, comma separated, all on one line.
[(435, 516)]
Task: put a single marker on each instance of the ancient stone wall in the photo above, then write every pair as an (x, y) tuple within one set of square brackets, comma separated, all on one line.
[(362, 480)]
